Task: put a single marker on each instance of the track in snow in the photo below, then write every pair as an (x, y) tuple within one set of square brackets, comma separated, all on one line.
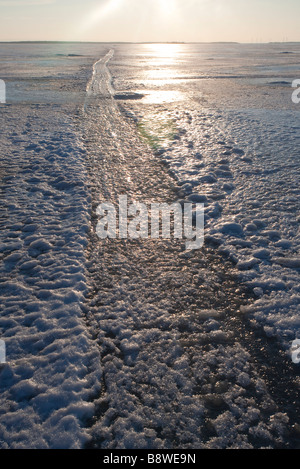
[(176, 372)]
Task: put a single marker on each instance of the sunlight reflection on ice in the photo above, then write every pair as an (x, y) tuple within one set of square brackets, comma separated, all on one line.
[(161, 96), (159, 59)]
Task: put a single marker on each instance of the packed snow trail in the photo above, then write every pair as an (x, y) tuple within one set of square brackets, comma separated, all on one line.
[(100, 84), (174, 373)]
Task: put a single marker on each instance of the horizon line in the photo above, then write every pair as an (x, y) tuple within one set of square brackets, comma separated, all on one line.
[(145, 42)]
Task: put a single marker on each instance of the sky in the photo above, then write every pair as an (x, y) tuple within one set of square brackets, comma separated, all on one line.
[(150, 20)]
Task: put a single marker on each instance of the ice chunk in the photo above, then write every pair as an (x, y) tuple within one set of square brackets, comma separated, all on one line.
[(291, 262), (247, 264), (234, 229), (261, 253)]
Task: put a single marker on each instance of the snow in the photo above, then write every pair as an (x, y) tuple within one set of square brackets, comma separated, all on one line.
[(132, 345), (251, 197), (52, 369)]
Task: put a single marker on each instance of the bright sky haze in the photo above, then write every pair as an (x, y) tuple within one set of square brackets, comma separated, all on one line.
[(150, 20)]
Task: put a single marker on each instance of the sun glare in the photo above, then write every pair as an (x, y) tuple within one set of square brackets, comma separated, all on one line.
[(162, 55), (167, 8), (100, 13)]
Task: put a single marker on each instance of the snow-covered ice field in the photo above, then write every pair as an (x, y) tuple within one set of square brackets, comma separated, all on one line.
[(138, 343)]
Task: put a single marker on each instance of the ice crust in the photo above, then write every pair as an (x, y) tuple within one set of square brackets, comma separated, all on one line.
[(182, 380)]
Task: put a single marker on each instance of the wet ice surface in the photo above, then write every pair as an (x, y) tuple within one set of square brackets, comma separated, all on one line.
[(251, 198), (139, 344), (229, 134)]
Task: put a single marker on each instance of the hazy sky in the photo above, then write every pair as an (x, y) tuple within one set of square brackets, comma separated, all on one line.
[(150, 20)]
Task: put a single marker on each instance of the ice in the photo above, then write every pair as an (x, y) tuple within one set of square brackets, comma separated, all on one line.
[(110, 348), (261, 253), (247, 264), (293, 263), (255, 231), (232, 229), (254, 143), (52, 364)]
